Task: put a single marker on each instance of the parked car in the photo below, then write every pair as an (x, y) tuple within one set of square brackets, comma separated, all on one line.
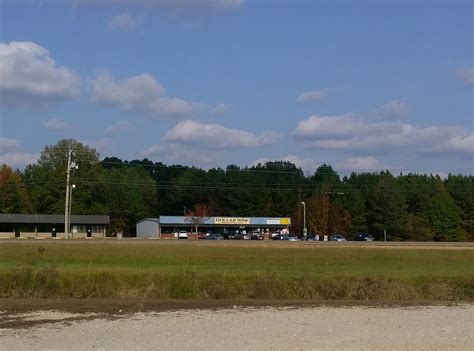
[(293, 238), (246, 236), (280, 237), (337, 237), (309, 238), (201, 235), (274, 234), (214, 237), (257, 236), (363, 237), (182, 234)]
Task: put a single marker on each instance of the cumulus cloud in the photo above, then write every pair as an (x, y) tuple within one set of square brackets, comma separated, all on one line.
[(393, 109), (466, 74), (183, 154), (138, 93), (56, 125), (186, 142), (314, 95), (29, 76), (123, 22), (118, 128), (11, 154), (351, 134), (216, 136)]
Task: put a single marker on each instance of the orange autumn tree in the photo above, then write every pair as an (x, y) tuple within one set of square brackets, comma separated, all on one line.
[(13, 194), (197, 216)]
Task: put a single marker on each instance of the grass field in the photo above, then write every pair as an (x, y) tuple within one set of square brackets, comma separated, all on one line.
[(297, 271)]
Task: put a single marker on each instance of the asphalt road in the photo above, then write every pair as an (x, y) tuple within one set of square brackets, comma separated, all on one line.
[(373, 244)]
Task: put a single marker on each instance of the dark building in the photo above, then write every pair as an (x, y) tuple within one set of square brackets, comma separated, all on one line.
[(51, 226)]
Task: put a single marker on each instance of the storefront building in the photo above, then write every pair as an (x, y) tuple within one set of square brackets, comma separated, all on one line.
[(169, 226)]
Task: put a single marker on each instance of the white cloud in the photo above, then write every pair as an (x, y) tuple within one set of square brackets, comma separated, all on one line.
[(18, 159), (216, 136), (56, 125), (183, 154), (466, 74), (8, 144), (122, 21), (118, 128), (29, 76), (393, 109), (314, 95), (12, 156), (138, 93), (101, 145), (351, 134), (359, 164), (200, 144)]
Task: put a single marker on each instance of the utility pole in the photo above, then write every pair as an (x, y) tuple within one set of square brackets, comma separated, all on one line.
[(71, 163), (68, 184), (305, 231), (70, 206)]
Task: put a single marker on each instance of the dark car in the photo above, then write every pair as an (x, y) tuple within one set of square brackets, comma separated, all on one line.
[(281, 237), (363, 237)]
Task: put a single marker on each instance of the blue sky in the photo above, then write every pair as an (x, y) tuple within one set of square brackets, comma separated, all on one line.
[(362, 85)]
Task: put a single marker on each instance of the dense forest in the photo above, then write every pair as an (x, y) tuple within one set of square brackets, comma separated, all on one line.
[(407, 206)]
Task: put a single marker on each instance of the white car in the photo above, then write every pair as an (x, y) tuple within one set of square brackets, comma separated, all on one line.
[(337, 237), (182, 234)]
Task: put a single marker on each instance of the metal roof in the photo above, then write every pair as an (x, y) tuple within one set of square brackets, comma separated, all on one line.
[(157, 220), (52, 219)]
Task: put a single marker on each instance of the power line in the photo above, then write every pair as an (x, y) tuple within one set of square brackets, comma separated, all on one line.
[(203, 186)]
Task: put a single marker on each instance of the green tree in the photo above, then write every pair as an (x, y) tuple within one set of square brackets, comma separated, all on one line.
[(461, 188), (130, 195), (386, 209), (443, 215), (46, 180)]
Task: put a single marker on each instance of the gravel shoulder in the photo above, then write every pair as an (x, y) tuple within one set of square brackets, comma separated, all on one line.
[(249, 328)]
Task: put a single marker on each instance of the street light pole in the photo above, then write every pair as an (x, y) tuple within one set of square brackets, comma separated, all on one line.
[(304, 219)]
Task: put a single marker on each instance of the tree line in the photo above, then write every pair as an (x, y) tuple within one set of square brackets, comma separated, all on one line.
[(406, 207)]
